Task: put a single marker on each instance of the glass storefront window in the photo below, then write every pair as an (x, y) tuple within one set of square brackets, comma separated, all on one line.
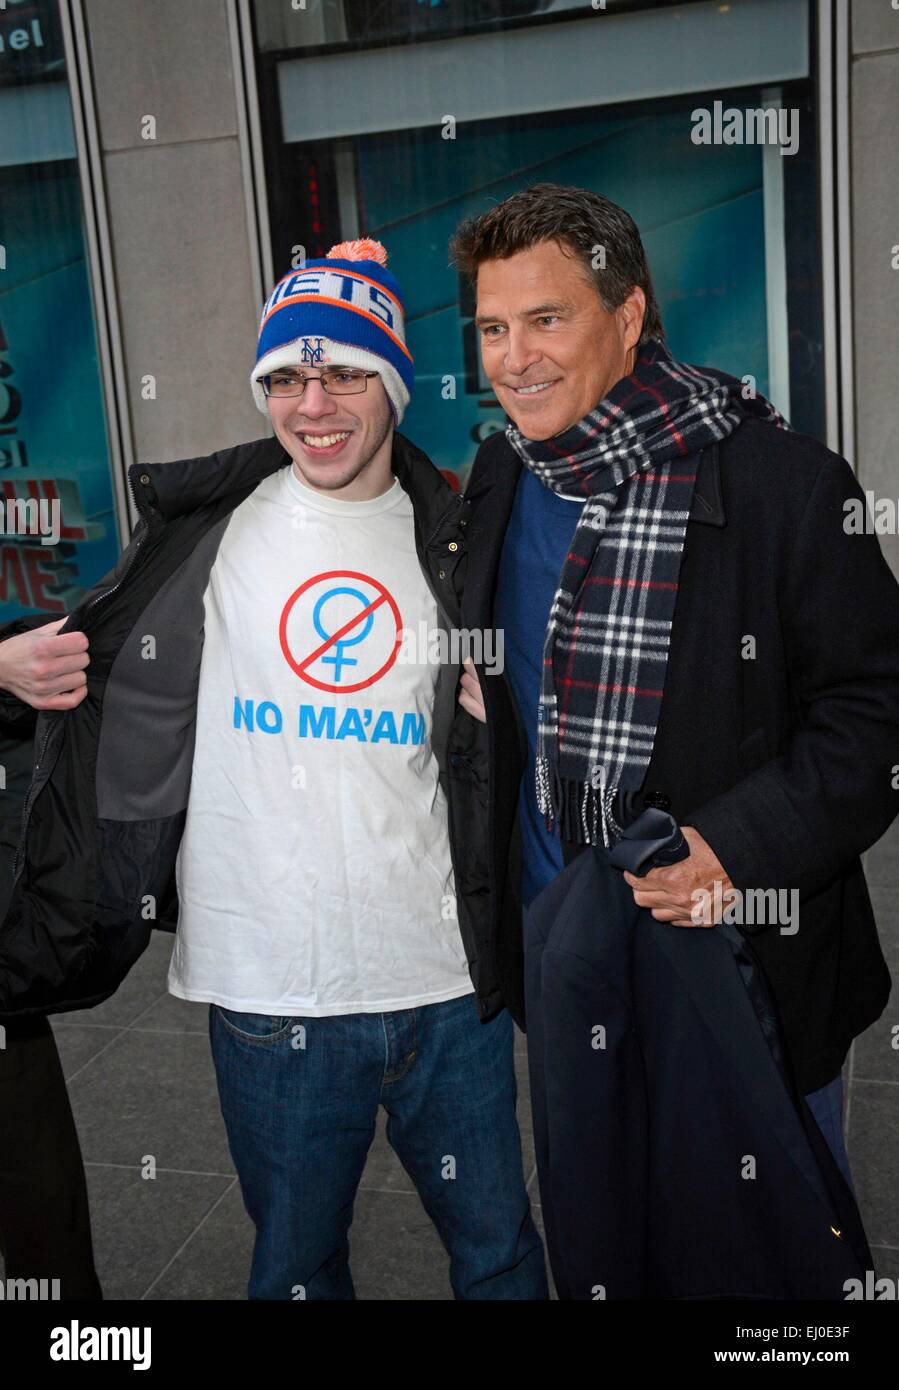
[(397, 120), (53, 442)]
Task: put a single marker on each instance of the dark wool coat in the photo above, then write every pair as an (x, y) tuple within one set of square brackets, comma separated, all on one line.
[(784, 762)]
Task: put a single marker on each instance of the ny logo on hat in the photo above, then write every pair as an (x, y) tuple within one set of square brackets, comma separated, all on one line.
[(313, 352)]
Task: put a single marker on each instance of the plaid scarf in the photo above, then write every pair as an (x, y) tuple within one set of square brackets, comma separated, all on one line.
[(634, 459)]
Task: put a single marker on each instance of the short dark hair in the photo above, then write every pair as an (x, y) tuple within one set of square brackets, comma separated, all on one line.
[(575, 218)]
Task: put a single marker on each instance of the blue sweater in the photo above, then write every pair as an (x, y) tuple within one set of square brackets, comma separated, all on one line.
[(537, 538)]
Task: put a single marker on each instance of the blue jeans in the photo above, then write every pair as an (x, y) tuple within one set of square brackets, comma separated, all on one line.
[(827, 1107), (300, 1098)]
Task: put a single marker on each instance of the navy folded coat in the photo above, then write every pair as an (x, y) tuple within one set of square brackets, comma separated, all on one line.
[(675, 1156)]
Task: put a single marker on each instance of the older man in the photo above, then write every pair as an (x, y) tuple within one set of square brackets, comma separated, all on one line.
[(687, 625)]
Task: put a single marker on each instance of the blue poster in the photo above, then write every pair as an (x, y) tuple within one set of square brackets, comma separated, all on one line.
[(58, 532)]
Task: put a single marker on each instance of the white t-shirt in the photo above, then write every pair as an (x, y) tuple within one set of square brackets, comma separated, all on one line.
[(314, 873)]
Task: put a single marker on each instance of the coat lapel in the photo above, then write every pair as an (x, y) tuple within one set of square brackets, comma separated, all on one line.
[(491, 492)]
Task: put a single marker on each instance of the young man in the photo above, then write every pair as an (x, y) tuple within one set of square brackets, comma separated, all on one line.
[(316, 906)]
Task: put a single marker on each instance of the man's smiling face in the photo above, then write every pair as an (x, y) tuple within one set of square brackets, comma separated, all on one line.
[(550, 348), (339, 444)]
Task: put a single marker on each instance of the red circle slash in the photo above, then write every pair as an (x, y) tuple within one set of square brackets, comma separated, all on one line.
[(300, 666)]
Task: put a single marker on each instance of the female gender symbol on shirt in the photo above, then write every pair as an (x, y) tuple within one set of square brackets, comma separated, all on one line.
[(338, 660), (363, 615)]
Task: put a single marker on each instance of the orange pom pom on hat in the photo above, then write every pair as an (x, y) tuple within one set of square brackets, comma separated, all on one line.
[(345, 309)]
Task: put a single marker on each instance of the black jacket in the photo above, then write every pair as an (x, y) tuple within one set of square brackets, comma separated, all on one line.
[(105, 807), (783, 763)]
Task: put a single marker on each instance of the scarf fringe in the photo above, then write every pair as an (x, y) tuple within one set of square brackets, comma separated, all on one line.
[(583, 813)]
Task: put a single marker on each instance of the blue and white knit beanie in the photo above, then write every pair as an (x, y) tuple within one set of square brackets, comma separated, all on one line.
[(344, 309)]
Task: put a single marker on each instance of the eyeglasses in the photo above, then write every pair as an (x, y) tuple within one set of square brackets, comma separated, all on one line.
[(336, 382)]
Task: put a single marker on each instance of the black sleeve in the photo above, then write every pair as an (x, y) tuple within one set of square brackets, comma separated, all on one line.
[(802, 817), (17, 719)]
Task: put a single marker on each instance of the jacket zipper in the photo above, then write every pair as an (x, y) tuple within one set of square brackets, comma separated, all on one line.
[(33, 789), (469, 941), (26, 810)]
